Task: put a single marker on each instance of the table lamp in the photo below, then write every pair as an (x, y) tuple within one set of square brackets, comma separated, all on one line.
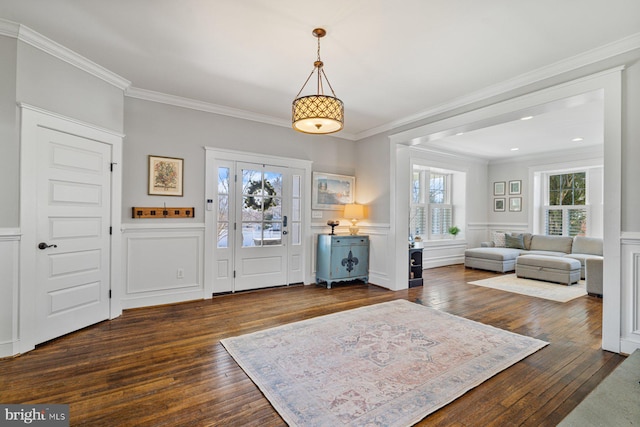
[(353, 212)]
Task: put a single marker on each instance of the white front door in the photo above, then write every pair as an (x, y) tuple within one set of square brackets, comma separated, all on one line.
[(262, 215), (259, 226), (72, 233)]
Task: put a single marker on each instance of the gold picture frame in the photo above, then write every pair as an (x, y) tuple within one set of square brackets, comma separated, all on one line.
[(165, 176)]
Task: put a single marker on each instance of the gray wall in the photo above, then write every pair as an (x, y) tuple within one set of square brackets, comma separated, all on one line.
[(631, 148), (9, 141), (153, 128), (373, 174), (49, 83)]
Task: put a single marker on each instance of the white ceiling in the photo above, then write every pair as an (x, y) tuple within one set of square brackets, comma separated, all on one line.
[(389, 61)]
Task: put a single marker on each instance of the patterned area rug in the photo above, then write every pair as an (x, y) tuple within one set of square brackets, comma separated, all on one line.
[(388, 364), (534, 288)]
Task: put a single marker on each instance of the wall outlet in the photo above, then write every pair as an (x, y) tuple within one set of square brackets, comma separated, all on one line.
[(316, 214), (180, 273)]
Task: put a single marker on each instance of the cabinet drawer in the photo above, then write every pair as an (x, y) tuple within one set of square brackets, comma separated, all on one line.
[(349, 241)]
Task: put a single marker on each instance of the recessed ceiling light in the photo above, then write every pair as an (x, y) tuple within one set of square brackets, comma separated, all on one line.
[(514, 149), (526, 118), (459, 133), (577, 139)]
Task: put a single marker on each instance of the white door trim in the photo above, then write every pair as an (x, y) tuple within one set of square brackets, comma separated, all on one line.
[(216, 154), (610, 81), (33, 118)]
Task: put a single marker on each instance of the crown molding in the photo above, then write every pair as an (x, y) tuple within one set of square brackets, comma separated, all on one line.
[(37, 40), (589, 57), (193, 104), (578, 154), (9, 29), (207, 107)]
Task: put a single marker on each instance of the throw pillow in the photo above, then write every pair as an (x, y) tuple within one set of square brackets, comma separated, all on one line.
[(515, 242), (499, 239)]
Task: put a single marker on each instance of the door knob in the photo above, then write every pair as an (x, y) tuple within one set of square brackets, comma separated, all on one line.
[(43, 246)]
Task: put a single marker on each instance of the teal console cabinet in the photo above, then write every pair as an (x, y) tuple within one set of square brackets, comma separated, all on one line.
[(342, 258)]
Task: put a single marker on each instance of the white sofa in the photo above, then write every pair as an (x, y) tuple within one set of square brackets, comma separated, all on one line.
[(500, 254)]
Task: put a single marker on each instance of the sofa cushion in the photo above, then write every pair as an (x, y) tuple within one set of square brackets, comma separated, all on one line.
[(551, 243), (498, 239), (546, 253), (582, 257), (541, 261), (526, 238), (587, 245), (498, 254), (514, 241)]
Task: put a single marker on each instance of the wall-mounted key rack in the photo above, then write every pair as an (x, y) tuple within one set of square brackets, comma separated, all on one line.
[(162, 212)]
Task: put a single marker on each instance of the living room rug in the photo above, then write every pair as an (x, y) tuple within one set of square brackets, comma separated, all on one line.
[(534, 288), (389, 364)]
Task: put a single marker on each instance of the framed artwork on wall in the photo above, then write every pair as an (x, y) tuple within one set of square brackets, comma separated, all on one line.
[(499, 188), (165, 176), (515, 204), (498, 204), (332, 192), (514, 187)]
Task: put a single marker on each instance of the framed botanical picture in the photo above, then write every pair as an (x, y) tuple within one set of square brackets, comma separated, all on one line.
[(165, 176), (499, 188), (332, 192), (498, 204), (514, 187), (515, 204)]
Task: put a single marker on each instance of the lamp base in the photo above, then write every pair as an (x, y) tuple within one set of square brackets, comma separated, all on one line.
[(353, 230)]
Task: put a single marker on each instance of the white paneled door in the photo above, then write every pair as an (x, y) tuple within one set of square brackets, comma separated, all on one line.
[(73, 242), (259, 226)]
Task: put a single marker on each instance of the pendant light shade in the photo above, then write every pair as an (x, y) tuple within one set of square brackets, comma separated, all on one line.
[(318, 113)]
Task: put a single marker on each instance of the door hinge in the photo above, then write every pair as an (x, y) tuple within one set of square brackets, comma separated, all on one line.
[(235, 178), (109, 293), (110, 230), (234, 226), (234, 274)]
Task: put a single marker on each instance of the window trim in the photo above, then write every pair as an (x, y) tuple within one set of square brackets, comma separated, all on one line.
[(423, 203)]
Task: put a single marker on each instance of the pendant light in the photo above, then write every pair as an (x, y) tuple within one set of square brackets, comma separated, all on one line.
[(319, 113)]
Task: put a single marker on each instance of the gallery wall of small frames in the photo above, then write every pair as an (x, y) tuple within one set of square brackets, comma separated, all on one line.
[(507, 196)]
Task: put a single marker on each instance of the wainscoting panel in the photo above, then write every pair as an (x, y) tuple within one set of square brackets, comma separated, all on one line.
[(162, 264), (9, 288), (443, 252), (630, 296)]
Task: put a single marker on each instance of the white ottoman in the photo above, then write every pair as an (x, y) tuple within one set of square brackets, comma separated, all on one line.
[(548, 268)]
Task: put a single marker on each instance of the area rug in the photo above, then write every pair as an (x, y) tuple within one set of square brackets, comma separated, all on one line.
[(389, 364), (534, 288)]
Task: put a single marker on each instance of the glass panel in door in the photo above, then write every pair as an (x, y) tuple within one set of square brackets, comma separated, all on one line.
[(261, 208)]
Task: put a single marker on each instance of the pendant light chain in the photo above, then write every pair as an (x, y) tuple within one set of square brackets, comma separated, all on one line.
[(318, 64)]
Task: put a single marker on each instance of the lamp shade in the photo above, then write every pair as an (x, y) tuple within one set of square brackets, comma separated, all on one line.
[(353, 211), (318, 114)]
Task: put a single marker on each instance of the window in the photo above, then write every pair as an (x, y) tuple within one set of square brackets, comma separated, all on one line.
[(223, 207), (566, 212), (431, 208)]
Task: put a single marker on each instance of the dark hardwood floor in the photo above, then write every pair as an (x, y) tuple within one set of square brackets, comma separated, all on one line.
[(165, 366)]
